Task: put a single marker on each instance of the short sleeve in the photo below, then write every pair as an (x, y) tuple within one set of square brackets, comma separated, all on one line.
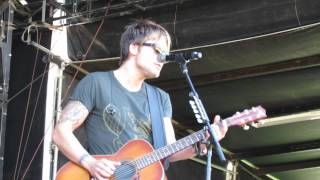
[(85, 92)]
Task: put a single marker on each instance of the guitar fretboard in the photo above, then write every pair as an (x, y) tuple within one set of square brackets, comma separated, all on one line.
[(168, 150), (237, 119)]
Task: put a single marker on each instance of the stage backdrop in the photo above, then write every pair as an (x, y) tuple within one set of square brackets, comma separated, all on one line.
[(25, 121)]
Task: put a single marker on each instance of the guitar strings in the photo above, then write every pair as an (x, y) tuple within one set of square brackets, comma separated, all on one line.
[(123, 171)]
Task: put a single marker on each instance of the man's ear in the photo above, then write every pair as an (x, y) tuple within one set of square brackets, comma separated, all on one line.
[(133, 49)]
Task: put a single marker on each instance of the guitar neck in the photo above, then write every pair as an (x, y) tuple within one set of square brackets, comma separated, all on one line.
[(237, 119), (168, 150)]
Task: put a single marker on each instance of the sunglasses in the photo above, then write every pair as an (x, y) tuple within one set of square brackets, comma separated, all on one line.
[(162, 54)]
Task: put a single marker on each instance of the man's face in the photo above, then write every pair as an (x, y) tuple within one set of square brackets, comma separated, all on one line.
[(148, 57)]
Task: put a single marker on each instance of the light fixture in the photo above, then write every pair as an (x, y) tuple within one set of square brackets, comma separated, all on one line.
[(23, 2)]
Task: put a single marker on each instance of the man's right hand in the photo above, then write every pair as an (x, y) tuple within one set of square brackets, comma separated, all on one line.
[(100, 169)]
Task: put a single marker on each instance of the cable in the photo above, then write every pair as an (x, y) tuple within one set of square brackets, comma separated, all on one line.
[(34, 112), (89, 48), (25, 119)]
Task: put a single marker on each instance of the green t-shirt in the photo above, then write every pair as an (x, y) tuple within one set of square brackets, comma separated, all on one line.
[(116, 114)]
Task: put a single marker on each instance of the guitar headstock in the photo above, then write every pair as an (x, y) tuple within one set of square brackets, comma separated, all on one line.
[(247, 116)]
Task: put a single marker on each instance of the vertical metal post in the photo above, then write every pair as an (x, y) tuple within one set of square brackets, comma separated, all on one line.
[(89, 5), (54, 93), (7, 15), (59, 109), (232, 167), (44, 6), (75, 6), (53, 104), (49, 121)]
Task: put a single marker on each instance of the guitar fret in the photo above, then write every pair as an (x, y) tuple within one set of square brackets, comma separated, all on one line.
[(194, 138), (181, 143), (165, 151), (175, 147), (178, 145), (189, 140), (199, 136), (137, 161), (172, 150), (140, 163), (161, 153), (157, 156), (144, 163), (154, 159), (148, 160), (185, 142)]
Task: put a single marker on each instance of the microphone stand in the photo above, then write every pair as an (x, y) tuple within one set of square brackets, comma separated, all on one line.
[(209, 157), (201, 116)]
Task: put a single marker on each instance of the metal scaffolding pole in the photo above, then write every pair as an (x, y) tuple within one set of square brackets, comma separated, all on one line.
[(232, 167), (7, 15)]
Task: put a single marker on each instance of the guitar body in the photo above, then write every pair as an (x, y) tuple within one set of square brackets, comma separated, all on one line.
[(128, 152)]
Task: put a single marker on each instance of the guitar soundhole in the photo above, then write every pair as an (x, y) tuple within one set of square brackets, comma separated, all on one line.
[(126, 171)]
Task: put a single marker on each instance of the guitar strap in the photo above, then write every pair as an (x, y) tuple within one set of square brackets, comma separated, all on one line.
[(156, 114)]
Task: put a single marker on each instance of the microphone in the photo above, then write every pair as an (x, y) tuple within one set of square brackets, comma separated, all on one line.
[(181, 57)]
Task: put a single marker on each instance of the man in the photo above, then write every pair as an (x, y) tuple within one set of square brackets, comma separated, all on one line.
[(114, 105)]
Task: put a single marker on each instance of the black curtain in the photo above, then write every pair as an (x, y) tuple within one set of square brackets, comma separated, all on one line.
[(24, 158)]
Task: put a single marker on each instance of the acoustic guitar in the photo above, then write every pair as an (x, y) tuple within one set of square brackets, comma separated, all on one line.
[(140, 161)]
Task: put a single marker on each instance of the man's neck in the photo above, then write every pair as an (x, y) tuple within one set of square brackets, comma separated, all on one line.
[(129, 78)]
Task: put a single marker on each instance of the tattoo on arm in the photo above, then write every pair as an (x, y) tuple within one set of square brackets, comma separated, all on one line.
[(74, 112)]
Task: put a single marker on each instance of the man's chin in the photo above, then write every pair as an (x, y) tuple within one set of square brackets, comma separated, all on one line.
[(157, 75), (153, 76)]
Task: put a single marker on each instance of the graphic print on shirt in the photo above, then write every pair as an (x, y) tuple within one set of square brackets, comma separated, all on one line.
[(141, 127), (117, 120), (112, 118)]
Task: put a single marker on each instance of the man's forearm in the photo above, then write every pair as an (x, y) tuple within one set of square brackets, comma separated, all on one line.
[(72, 116), (68, 144)]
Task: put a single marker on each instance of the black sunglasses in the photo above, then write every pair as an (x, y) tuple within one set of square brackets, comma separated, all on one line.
[(162, 54)]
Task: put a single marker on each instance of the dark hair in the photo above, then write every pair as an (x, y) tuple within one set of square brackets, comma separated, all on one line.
[(137, 33)]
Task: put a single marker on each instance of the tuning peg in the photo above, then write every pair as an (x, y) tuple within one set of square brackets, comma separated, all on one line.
[(246, 127), (254, 124)]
